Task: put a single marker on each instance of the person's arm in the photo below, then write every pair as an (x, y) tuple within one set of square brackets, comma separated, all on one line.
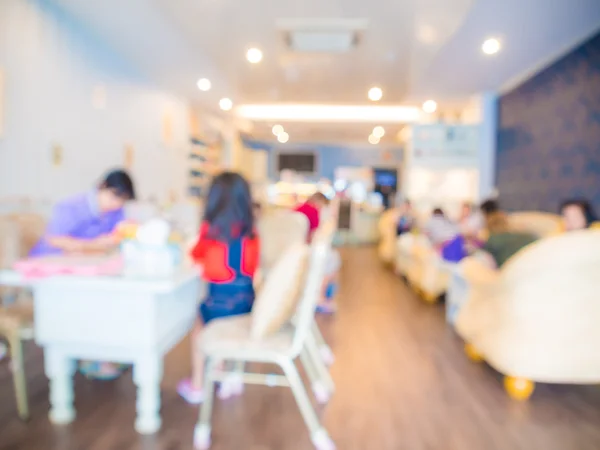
[(62, 225)]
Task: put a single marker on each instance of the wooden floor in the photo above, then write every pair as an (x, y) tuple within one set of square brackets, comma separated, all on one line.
[(403, 383)]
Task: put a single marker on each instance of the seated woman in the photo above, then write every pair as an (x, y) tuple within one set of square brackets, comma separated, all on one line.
[(84, 225), (439, 229), (502, 243), (577, 214), (406, 219)]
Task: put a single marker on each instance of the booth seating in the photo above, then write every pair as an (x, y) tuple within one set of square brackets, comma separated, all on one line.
[(293, 290), (536, 319), (431, 276)]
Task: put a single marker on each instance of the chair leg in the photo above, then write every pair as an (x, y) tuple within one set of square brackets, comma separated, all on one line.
[(318, 387), (20, 382), (324, 349), (320, 367), (203, 429), (318, 434)]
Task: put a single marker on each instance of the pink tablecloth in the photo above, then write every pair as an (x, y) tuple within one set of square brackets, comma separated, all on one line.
[(47, 266)]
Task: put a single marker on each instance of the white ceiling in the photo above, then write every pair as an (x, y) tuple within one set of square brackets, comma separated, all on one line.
[(412, 49)]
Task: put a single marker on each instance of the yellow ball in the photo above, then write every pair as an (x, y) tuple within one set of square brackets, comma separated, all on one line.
[(472, 353), (518, 388)]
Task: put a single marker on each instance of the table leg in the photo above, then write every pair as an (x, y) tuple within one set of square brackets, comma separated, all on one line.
[(147, 374), (59, 370)]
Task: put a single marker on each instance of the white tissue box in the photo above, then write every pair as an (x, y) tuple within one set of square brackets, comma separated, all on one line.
[(143, 260)]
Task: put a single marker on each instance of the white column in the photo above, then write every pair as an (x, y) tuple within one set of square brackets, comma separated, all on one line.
[(487, 145)]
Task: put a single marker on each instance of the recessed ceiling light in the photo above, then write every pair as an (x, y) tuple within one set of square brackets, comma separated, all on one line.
[(375, 94), (429, 106), (277, 130), (491, 46), (254, 55), (373, 140), (225, 104), (283, 137), (379, 132), (204, 84)]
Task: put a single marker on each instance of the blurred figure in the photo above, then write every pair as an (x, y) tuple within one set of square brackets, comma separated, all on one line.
[(311, 209), (502, 243), (489, 207), (85, 223), (406, 219), (228, 250), (577, 214), (471, 221), (439, 229)]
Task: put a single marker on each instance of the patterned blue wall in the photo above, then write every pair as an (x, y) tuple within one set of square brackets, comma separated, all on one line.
[(549, 135)]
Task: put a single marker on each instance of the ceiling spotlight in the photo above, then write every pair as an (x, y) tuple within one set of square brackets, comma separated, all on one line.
[(254, 55), (283, 137), (375, 94), (225, 104), (373, 140), (429, 106), (491, 46), (204, 84), (277, 130), (378, 132)]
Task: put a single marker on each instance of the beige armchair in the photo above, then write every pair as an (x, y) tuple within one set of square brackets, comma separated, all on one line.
[(387, 235), (431, 276), (536, 319)]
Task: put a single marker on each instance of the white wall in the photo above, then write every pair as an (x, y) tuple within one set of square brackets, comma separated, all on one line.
[(52, 66)]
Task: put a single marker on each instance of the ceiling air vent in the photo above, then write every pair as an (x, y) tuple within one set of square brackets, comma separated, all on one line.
[(322, 35)]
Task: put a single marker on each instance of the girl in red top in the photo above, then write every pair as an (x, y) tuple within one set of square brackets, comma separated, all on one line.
[(228, 251)]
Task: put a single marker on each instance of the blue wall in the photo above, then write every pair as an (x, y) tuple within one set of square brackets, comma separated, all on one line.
[(330, 157), (549, 135)]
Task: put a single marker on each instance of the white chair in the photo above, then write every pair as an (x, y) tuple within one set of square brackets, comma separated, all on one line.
[(278, 230), (230, 340)]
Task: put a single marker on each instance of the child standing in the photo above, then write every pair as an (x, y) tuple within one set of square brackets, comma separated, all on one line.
[(312, 210), (228, 251)]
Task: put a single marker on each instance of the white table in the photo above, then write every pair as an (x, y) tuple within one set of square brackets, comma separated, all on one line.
[(110, 319)]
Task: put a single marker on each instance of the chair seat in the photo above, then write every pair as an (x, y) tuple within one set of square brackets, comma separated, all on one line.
[(16, 317), (230, 338)]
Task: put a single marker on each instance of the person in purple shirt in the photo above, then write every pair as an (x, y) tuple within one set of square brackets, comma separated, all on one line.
[(85, 223)]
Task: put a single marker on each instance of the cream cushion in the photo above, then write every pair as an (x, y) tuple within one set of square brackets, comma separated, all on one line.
[(537, 317), (277, 231), (537, 223), (232, 335), (276, 301)]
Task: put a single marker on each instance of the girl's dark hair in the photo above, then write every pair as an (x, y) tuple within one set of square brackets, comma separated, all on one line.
[(585, 206), (438, 212), (229, 208)]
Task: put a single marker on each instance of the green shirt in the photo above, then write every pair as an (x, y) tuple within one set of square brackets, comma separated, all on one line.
[(503, 245)]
